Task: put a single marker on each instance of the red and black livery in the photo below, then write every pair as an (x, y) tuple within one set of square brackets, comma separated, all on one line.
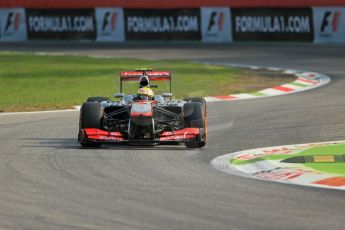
[(137, 122)]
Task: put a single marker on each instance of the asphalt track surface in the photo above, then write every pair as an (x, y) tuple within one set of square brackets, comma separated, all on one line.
[(48, 182)]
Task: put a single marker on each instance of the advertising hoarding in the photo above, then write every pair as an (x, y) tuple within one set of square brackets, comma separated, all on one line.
[(12, 25), (61, 24), (216, 24), (329, 24), (110, 24), (174, 24), (272, 24)]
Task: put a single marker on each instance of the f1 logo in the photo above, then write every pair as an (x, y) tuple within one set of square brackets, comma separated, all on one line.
[(330, 19), (216, 21), (109, 22), (12, 23)]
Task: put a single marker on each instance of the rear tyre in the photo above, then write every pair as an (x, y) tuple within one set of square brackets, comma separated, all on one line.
[(91, 114), (97, 99), (194, 118)]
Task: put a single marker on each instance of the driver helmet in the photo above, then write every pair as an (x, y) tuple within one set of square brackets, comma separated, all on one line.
[(144, 81), (145, 93)]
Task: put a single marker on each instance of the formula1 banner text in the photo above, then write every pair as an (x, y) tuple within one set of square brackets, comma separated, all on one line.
[(163, 24), (273, 24), (61, 24)]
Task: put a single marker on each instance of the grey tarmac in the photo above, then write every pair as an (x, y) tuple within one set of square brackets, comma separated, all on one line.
[(48, 182)]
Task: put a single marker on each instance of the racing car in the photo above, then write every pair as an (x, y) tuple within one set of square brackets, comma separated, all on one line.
[(143, 118)]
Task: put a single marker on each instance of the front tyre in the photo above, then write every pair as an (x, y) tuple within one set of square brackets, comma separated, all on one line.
[(194, 118), (204, 105), (91, 114), (197, 99)]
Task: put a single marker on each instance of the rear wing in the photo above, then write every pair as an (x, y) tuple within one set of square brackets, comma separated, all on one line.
[(152, 75)]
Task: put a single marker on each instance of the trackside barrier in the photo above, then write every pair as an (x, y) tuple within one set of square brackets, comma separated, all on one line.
[(61, 24), (216, 24), (272, 24), (13, 24), (163, 24), (166, 4), (110, 24), (329, 24), (205, 24)]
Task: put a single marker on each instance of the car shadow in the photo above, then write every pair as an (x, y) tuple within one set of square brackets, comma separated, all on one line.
[(71, 143)]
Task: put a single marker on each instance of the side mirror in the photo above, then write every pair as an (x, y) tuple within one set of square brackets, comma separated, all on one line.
[(167, 95), (119, 95)]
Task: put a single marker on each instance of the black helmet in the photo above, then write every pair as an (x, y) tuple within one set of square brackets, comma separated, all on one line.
[(144, 81)]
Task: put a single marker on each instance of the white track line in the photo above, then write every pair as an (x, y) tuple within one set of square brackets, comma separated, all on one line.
[(40, 112)]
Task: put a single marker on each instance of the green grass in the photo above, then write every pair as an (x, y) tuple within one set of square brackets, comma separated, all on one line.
[(338, 149), (35, 82), (338, 168)]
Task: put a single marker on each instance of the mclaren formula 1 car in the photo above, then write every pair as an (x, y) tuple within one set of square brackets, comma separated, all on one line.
[(135, 121)]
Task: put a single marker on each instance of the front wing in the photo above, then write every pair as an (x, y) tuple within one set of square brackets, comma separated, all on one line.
[(102, 136)]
